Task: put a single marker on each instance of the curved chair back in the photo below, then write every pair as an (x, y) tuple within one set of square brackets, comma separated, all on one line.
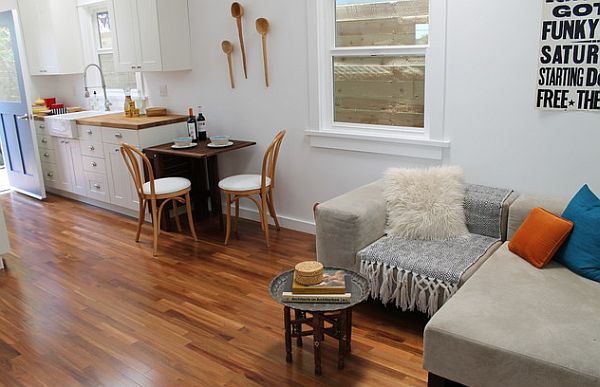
[(270, 161), (130, 156)]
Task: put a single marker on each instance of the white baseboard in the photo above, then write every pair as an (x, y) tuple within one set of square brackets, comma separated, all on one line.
[(96, 203), (284, 221)]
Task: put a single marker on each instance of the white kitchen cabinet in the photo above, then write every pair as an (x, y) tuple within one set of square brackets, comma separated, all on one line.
[(120, 183), (151, 35), (52, 36), (71, 176), (90, 168)]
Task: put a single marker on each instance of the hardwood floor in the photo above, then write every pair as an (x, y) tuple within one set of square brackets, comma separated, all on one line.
[(82, 304)]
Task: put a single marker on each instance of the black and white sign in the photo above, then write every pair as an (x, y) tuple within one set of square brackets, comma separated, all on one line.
[(569, 57)]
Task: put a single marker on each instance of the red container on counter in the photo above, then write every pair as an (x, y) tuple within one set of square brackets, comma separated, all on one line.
[(57, 106), (49, 102)]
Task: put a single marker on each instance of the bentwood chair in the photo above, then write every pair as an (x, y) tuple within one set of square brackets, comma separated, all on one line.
[(164, 190), (248, 186)]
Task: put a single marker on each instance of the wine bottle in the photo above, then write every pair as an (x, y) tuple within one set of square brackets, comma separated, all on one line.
[(201, 125), (192, 125)]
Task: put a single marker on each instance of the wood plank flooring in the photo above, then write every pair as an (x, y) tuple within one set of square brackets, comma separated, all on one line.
[(82, 304)]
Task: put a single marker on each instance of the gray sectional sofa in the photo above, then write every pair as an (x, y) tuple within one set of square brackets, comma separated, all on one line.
[(509, 324)]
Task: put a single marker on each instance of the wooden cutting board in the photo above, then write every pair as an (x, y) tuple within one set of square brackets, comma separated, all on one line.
[(119, 120)]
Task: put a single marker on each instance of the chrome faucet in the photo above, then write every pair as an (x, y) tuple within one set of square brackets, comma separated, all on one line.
[(107, 103)]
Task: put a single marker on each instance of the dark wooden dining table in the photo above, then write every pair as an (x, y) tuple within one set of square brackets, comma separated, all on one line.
[(201, 165)]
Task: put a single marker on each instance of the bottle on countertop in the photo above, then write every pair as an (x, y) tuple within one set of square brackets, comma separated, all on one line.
[(94, 103), (127, 103), (202, 136), (192, 125)]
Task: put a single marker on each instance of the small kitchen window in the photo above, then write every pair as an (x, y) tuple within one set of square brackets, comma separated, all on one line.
[(102, 30)]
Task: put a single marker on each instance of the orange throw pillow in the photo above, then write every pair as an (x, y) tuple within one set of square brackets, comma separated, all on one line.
[(540, 236)]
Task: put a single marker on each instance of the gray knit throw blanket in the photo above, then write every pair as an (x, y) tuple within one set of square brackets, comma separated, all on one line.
[(422, 275)]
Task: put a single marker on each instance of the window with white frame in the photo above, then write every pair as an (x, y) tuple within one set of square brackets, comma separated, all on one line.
[(102, 30), (381, 67)]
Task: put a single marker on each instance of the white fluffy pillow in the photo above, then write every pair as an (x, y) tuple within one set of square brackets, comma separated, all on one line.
[(425, 203)]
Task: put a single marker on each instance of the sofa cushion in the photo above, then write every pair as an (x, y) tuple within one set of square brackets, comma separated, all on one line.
[(540, 236), (522, 206), (425, 203), (514, 325), (581, 252)]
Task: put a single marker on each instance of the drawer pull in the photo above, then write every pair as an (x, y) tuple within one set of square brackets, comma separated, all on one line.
[(94, 164), (46, 154), (42, 126), (118, 135), (97, 186), (50, 174), (89, 131), (44, 140), (117, 150), (91, 147)]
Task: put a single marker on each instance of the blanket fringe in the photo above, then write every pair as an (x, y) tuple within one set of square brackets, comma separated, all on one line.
[(408, 290)]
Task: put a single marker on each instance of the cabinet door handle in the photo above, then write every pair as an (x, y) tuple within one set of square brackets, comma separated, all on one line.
[(42, 126), (43, 71), (50, 174), (89, 131), (133, 67), (66, 142), (117, 150), (91, 147), (46, 154), (97, 186), (94, 164), (118, 135), (44, 140)]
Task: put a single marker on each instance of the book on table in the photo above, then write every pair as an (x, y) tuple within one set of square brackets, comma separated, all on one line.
[(332, 289)]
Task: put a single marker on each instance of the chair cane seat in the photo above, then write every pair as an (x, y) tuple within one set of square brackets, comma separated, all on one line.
[(167, 185), (241, 183)]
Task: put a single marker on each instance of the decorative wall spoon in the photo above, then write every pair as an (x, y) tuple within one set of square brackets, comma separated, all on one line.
[(262, 27), (237, 11), (228, 49)]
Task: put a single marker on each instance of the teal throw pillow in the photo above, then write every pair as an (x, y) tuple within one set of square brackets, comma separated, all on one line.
[(581, 252)]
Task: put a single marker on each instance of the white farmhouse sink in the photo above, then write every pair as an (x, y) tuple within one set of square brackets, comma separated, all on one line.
[(64, 125)]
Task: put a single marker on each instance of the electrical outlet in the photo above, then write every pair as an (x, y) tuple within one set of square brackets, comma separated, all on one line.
[(164, 92)]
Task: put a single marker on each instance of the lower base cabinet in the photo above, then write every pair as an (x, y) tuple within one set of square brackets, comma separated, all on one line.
[(120, 183), (93, 167), (97, 186)]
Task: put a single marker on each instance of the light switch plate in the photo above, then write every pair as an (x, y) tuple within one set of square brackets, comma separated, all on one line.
[(164, 91)]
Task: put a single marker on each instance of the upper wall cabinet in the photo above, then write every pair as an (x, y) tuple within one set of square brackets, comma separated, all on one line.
[(151, 35), (52, 36)]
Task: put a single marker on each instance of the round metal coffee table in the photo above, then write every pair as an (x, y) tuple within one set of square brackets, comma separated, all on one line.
[(315, 315)]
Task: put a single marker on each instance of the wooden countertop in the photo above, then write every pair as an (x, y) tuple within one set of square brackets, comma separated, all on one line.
[(118, 120)]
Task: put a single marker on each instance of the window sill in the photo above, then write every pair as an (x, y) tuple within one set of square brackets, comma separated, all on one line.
[(397, 145)]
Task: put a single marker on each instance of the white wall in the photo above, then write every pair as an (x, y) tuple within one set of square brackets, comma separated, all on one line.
[(496, 135)]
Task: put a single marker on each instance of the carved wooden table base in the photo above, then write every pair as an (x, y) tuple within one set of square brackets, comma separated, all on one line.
[(340, 328)]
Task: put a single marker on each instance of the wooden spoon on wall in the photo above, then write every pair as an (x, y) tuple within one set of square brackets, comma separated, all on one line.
[(262, 27), (228, 49), (237, 11)]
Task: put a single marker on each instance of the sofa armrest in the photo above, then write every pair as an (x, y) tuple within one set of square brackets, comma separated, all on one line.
[(348, 223)]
